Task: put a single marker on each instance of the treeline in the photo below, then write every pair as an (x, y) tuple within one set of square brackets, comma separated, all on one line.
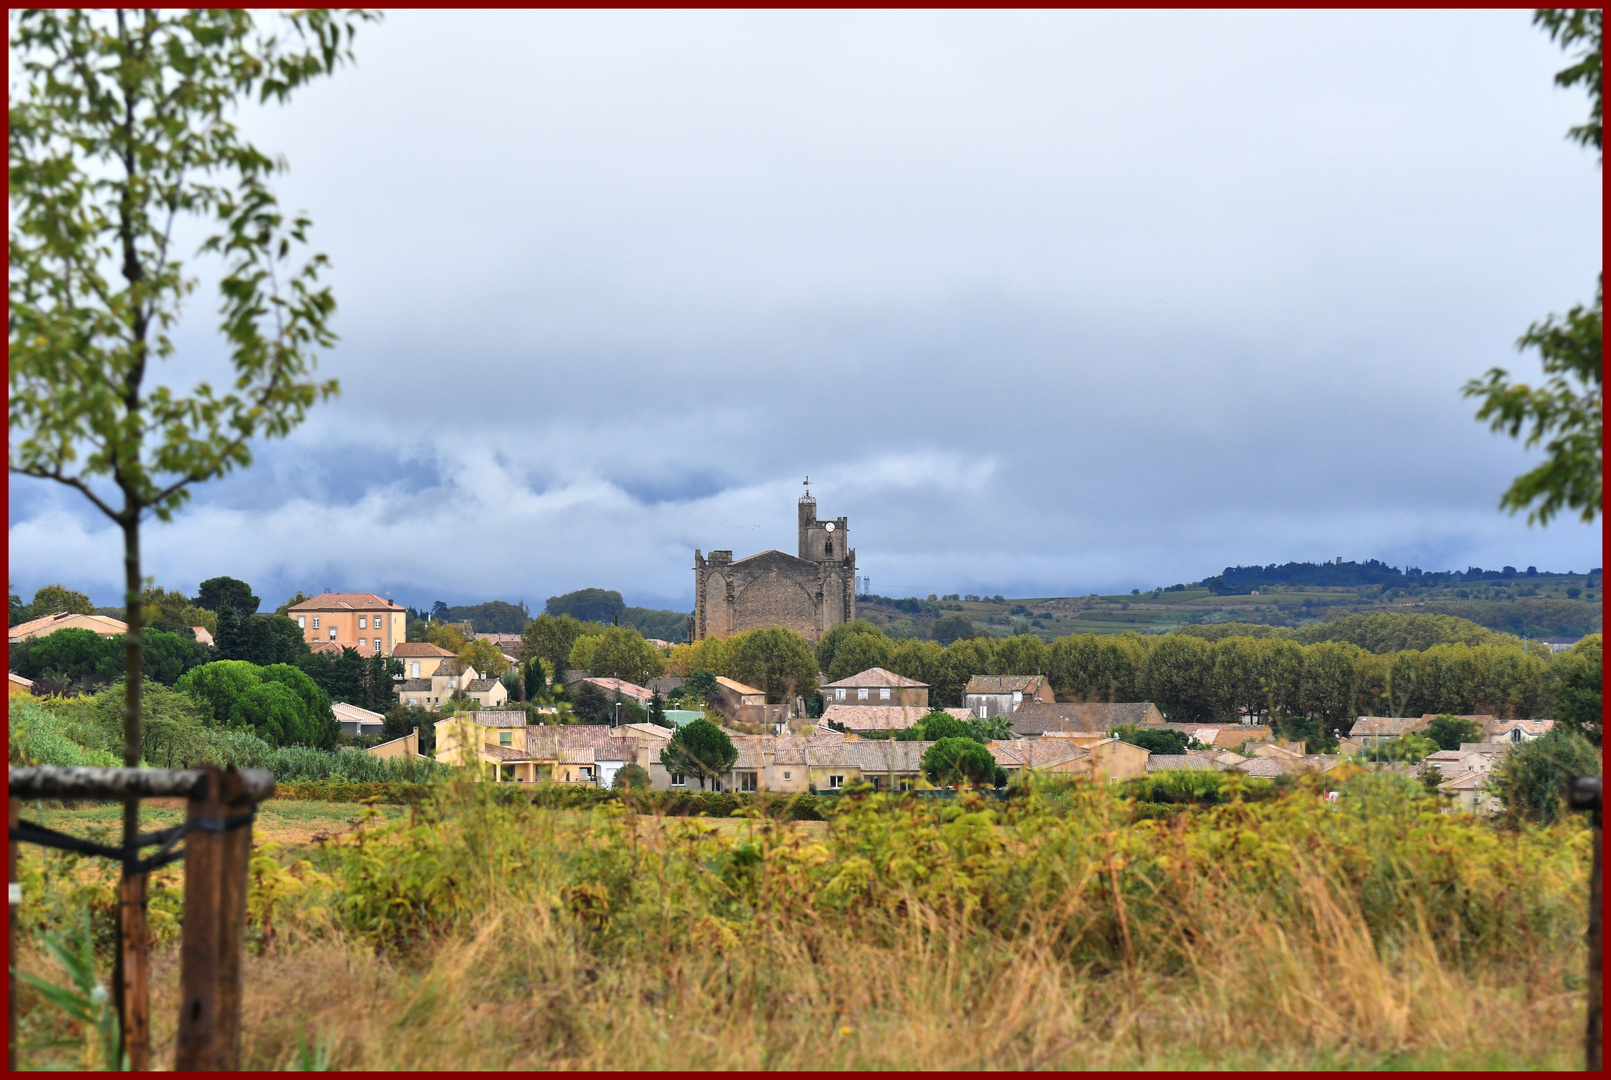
[(1241, 580), (1195, 680)]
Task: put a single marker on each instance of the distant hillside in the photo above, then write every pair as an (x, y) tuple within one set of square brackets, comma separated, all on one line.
[(606, 606), (1535, 606), (1241, 580)]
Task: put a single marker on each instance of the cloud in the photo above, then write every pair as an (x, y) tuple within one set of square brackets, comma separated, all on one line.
[(1045, 302)]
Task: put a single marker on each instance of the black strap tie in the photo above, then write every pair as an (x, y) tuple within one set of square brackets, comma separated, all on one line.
[(28, 832)]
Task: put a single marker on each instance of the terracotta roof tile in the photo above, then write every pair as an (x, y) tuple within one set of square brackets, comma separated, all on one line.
[(348, 601), (1003, 684), (875, 677)]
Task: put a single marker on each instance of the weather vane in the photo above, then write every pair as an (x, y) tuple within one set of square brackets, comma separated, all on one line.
[(806, 483)]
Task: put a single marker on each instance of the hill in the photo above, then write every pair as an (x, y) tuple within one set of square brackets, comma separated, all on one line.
[(1534, 606)]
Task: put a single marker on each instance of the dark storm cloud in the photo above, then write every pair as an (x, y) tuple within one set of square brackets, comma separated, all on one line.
[(1046, 302)]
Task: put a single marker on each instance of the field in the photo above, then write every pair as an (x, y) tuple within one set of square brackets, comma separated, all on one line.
[(1538, 607), (1060, 928)]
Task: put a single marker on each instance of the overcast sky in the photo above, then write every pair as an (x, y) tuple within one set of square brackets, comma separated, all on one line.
[(1048, 303)]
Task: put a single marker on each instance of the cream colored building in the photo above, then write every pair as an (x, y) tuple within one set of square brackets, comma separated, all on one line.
[(420, 659), (63, 620), (449, 679)]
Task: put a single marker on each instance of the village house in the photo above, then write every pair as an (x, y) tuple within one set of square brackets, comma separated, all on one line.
[(449, 679), (986, 696), (876, 686), (356, 721), (420, 659), (1036, 718), (746, 705), (1084, 754), (407, 747), (45, 625), (621, 690), (881, 717), (361, 621), (1369, 731)]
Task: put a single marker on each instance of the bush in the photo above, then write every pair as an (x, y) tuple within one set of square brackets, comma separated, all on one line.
[(631, 777), (1450, 731), (1157, 740), (1532, 778), (954, 761)]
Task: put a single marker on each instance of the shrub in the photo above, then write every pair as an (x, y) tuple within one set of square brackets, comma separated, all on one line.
[(954, 761), (1532, 778)]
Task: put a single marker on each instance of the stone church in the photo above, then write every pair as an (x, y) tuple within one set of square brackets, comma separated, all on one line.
[(808, 593)]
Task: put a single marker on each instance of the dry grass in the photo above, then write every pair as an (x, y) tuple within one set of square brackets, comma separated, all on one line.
[(1059, 936)]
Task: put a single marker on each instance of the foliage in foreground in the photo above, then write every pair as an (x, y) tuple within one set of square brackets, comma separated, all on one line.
[(1056, 927)]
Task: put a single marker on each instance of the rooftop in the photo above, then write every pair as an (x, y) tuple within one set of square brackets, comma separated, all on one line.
[(738, 687), (1003, 684), (346, 601), (882, 717), (875, 677), (408, 649), (104, 625)]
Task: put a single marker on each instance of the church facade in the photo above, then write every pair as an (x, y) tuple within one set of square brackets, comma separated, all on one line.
[(809, 593)]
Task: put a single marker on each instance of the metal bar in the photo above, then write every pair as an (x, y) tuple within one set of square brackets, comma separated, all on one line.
[(198, 951), (237, 855), (59, 782)]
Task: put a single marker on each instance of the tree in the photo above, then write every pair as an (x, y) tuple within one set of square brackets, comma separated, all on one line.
[(952, 628), (617, 653), (1566, 410), (119, 131), (1579, 679), (657, 711), (215, 687), (954, 762), (630, 777), (778, 661), (699, 748), (587, 605), (534, 680), (1448, 732), (700, 685), (1176, 675), (446, 636), (170, 609), (1157, 740), (485, 657), (591, 705), (299, 598), (551, 639), (217, 593), (1532, 778), (51, 599), (274, 712)]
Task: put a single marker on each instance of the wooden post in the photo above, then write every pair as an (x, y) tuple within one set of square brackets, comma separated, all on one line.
[(199, 948), (1586, 794), (237, 855), (134, 972), (13, 901)]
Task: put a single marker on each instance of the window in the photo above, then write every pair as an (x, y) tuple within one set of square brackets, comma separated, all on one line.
[(363, 643), (413, 700), (839, 695), (788, 776), (982, 707), (746, 781), (301, 622), (363, 622), (835, 782), (883, 694), (830, 547), (861, 695), (903, 785), (316, 622), (1017, 696), (678, 780), (414, 669), (332, 633), (453, 682), (506, 738), (1516, 735)]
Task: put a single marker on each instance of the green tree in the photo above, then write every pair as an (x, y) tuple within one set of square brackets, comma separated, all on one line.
[(1157, 740), (828, 647), (302, 597), (218, 685), (591, 705), (1448, 732), (618, 652), (700, 686), (630, 777), (120, 131), (1578, 677), (1565, 412), (777, 660), (485, 657), (1532, 778), (1328, 691), (51, 599), (274, 712), (954, 762), (587, 605), (657, 711), (551, 638), (699, 748), (1176, 676), (217, 593), (951, 628), (939, 725)]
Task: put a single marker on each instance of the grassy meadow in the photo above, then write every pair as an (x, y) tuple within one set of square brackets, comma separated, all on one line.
[(1059, 928)]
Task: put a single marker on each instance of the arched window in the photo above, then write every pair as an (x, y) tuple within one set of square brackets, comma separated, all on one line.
[(829, 547)]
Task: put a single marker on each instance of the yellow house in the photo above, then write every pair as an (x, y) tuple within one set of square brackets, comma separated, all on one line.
[(407, 747), (420, 659)]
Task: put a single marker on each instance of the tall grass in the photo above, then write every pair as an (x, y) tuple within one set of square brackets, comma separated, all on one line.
[(1050, 929)]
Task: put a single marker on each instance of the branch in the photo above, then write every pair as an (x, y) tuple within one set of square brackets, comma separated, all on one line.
[(73, 482)]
